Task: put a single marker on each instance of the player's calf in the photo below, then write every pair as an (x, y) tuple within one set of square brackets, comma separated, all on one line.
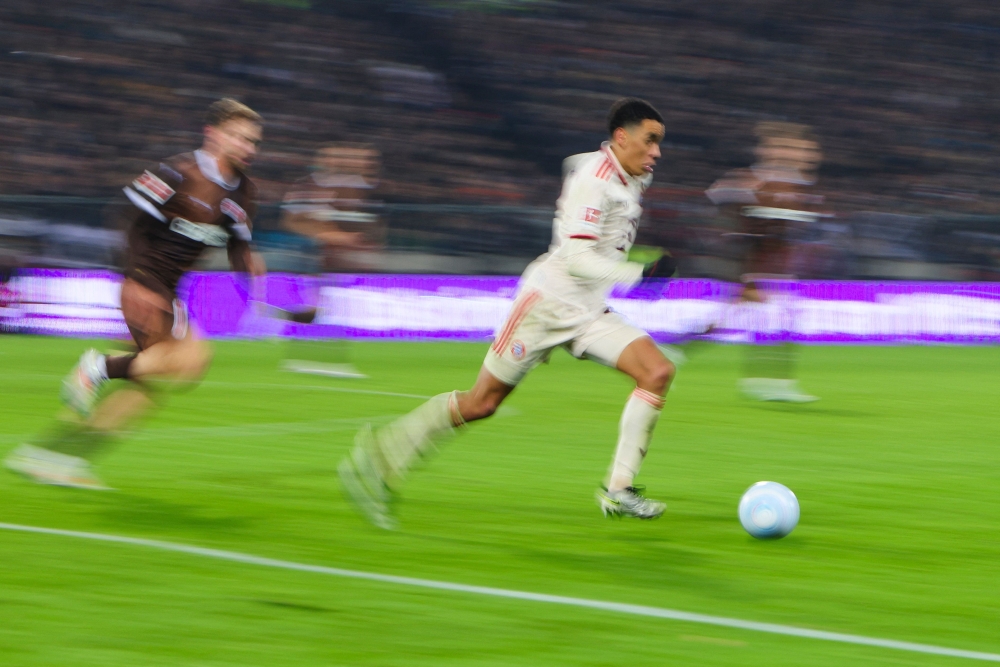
[(473, 408)]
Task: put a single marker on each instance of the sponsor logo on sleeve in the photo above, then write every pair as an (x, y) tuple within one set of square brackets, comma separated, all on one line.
[(234, 211), (153, 187), (241, 228), (588, 214)]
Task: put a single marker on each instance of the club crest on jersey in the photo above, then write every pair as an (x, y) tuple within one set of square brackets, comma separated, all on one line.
[(588, 214), (517, 350), (153, 187), (234, 211)]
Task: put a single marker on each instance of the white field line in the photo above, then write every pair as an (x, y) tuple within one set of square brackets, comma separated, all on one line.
[(614, 607)]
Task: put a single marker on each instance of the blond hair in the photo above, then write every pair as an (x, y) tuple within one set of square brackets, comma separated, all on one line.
[(227, 109), (770, 129)]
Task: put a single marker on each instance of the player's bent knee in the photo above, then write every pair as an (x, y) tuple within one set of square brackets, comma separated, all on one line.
[(202, 359), (661, 375), (195, 360)]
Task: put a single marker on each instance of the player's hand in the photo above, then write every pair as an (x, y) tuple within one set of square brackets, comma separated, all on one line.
[(664, 267)]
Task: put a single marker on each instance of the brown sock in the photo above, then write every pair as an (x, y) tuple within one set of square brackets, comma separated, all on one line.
[(118, 366)]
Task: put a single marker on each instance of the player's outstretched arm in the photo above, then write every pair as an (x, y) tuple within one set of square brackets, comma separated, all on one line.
[(242, 258), (583, 261)]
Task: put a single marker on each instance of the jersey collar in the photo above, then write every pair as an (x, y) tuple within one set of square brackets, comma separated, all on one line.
[(210, 169), (625, 177)]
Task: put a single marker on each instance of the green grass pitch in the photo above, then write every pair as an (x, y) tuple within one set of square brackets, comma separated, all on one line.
[(897, 470)]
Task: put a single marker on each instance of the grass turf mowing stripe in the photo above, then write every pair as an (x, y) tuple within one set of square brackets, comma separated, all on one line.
[(616, 607), (312, 387), (260, 429), (258, 385)]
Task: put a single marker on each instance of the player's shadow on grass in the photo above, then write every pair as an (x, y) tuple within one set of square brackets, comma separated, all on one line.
[(143, 512), (291, 606)]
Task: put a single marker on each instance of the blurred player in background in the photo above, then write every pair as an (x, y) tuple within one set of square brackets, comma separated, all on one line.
[(333, 207), (561, 302), (765, 203), (184, 205)]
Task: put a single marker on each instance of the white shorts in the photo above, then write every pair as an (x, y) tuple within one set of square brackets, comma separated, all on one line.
[(537, 325)]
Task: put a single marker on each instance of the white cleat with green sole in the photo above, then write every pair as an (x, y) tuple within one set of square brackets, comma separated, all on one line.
[(53, 468), (629, 502), (81, 387)]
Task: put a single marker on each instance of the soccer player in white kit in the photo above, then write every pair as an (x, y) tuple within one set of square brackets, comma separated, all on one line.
[(561, 302)]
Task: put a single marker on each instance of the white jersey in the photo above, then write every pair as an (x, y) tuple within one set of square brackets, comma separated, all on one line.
[(599, 202)]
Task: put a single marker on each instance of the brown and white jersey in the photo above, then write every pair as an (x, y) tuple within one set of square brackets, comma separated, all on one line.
[(765, 204), (322, 202), (339, 198), (185, 206)]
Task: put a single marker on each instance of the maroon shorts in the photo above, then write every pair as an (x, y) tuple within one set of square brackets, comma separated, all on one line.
[(151, 316)]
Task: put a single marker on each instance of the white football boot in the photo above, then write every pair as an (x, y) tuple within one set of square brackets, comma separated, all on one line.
[(629, 502), (81, 386), (788, 391), (774, 389), (47, 467), (363, 483)]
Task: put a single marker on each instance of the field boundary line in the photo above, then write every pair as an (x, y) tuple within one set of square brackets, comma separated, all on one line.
[(616, 607)]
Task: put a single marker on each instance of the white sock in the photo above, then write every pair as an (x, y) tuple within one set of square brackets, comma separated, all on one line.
[(415, 434), (634, 433)]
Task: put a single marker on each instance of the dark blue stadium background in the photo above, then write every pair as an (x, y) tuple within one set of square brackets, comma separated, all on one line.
[(473, 105)]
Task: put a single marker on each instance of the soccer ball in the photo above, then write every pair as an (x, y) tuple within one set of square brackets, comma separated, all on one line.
[(769, 510)]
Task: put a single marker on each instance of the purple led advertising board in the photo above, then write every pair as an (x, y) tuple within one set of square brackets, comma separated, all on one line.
[(419, 307)]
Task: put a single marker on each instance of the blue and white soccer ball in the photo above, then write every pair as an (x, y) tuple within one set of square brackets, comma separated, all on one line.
[(769, 510)]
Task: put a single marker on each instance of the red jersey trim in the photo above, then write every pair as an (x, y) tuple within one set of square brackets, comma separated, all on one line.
[(604, 170), (584, 236), (649, 397), (517, 314), (614, 163), (153, 187)]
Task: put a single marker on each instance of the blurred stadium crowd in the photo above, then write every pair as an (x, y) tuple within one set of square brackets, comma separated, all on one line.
[(473, 105)]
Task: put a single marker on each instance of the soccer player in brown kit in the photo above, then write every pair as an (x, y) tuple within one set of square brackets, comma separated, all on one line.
[(765, 202), (183, 206), (332, 207)]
